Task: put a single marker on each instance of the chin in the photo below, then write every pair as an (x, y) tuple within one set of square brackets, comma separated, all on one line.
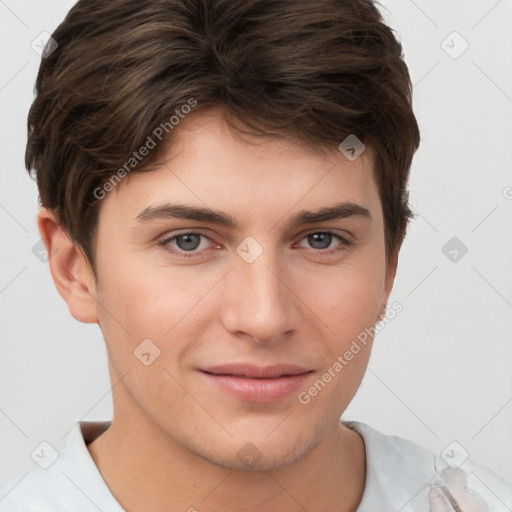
[(249, 458), (260, 453)]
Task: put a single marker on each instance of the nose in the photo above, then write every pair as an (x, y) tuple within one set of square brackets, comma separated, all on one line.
[(259, 303)]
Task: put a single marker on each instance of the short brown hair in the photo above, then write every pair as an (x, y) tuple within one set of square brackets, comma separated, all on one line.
[(311, 71)]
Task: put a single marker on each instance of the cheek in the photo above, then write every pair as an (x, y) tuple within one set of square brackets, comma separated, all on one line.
[(142, 300), (336, 383), (345, 297)]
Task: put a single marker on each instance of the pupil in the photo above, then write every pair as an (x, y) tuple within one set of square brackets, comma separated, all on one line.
[(323, 238), (190, 242)]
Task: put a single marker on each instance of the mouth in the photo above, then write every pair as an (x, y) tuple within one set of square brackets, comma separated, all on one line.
[(257, 383)]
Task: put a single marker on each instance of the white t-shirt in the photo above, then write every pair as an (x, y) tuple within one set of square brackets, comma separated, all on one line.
[(399, 474)]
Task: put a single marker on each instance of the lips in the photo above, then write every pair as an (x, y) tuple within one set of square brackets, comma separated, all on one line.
[(257, 383), (255, 372)]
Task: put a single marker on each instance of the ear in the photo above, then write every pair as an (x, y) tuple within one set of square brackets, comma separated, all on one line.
[(71, 272), (391, 272), (390, 278)]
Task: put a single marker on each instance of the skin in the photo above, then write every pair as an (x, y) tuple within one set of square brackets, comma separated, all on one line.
[(174, 437)]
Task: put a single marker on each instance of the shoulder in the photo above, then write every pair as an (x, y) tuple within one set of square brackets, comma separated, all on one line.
[(62, 480), (401, 473), (35, 489)]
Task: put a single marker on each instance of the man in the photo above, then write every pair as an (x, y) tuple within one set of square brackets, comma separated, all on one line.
[(223, 189)]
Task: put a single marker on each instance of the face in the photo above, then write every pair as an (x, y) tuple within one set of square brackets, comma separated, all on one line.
[(231, 325)]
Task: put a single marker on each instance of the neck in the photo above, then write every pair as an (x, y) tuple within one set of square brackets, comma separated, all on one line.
[(146, 470)]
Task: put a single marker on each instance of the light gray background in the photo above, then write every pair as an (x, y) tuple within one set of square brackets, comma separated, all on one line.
[(441, 370)]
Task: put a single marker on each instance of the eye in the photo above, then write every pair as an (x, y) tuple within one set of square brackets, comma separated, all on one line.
[(190, 244), (321, 241), (184, 243)]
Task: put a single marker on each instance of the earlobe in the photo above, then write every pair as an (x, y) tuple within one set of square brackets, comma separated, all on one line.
[(71, 272)]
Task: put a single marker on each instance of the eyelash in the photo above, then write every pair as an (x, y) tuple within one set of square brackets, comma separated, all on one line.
[(191, 254)]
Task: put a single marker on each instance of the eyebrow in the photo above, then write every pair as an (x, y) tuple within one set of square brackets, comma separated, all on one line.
[(180, 211)]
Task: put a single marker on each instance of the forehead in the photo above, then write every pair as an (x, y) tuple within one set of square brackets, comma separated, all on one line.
[(208, 164)]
